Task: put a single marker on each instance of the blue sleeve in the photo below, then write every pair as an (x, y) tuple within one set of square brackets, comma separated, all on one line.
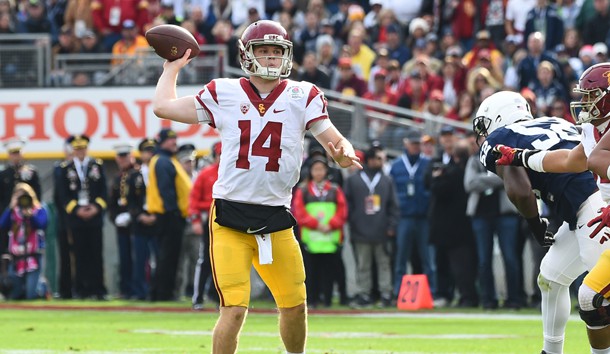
[(5, 219), (40, 219), (166, 177)]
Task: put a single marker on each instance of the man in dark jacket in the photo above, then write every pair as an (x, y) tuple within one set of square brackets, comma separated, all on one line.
[(451, 230), (373, 215)]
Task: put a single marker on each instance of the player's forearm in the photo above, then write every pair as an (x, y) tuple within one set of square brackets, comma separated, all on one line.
[(165, 93), (564, 161), (599, 162)]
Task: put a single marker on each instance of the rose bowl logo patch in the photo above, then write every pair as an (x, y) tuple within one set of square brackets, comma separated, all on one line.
[(244, 107)]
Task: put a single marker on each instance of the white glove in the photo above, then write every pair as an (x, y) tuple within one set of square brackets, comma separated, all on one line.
[(122, 220)]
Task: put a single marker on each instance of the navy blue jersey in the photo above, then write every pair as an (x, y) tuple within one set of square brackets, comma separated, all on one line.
[(562, 192)]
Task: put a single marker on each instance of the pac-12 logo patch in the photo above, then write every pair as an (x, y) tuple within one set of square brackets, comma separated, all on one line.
[(295, 92), (244, 107)]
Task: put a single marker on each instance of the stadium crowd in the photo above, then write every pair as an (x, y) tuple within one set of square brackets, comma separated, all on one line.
[(439, 57)]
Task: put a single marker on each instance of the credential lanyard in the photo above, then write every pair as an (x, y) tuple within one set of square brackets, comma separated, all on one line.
[(371, 184), (410, 169)]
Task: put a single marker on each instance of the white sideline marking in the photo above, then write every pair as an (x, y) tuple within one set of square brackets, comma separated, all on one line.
[(338, 334)]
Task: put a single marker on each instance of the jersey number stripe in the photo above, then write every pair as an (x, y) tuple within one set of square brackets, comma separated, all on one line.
[(272, 132)]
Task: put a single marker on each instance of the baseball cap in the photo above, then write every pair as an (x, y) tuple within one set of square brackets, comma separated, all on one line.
[(186, 152), (165, 134), (600, 48), (447, 129), (381, 74), (345, 62), (437, 95), (586, 50), (129, 24), (413, 136), (454, 51), (431, 37)]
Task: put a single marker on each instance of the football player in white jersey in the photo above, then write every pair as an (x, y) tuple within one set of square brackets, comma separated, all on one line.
[(262, 122), (593, 112)]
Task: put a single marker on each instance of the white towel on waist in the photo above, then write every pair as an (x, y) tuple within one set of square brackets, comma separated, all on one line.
[(265, 255)]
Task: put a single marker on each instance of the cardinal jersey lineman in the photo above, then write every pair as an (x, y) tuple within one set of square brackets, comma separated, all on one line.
[(261, 137)]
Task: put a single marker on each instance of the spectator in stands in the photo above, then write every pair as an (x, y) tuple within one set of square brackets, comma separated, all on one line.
[(253, 16), (312, 72), (492, 214), (321, 211), (572, 42), (463, 20), (453, 76), (79, 16), (428, 146), (559, 109), (545, 19), (318, 7), (597, 29), (167, 198), (26, 221), (109, 18), (418, 28), (361, 55), (465, 109), (483, 44), (307, 37), (167, 13), (536, 54), (413, 93), (349, 83), (129, 44), (290, 8), (325, 47), (428, 69), (547, 88), (477, 80), (373, 215), (6, 24), (35, 19), (381, 63), (394, 79), (396, 46), (601, 52), (511, 76), (408, 173), (56, 10), (568, 12), (453, 237), (67, 43), (435, 105), (484, 60), (516, 16)]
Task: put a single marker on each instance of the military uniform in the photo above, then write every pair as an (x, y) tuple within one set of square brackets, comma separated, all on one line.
[(16, 173), (83, 187), (64, 237), (118, 212)]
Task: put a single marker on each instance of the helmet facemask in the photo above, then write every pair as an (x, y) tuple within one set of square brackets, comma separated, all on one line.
[(480, 127), (251, 64), (587, 109)]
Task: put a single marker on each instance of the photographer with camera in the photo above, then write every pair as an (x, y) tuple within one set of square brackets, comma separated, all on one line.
[(26, 221)]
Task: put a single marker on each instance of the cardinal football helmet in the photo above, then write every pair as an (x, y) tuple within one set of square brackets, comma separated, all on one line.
[(594, 85), (498, 110), (265, 32)]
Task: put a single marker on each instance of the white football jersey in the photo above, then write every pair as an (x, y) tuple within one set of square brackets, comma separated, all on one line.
[(262, 139), (590, 137)]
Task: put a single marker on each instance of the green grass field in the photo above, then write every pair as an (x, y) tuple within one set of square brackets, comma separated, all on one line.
[(145, 328)]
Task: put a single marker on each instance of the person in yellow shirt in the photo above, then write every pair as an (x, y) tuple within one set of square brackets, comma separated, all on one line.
[(129, 44), (362, 56)]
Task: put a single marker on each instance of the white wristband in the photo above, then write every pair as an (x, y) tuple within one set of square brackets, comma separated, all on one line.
[(608, 172), (534, 162)]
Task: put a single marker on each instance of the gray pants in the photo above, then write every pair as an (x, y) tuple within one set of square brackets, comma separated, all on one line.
[(365, 254)]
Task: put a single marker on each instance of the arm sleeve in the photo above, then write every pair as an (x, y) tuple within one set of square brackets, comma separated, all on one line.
[(315, 107), (5, 219), (40, 219), (206, 102)]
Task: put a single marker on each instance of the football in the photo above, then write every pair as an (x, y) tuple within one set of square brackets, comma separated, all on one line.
[(171, 41)]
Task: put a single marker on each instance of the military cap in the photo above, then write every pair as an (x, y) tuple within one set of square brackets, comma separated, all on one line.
[(78, 141), (147, 144), (14, 145)]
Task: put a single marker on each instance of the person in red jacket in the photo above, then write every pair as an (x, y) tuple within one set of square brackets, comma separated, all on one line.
[(321, 211), (199, 205), (108, 17)]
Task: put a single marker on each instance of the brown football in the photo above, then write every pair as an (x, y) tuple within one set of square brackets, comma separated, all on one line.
[(171, 41)]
